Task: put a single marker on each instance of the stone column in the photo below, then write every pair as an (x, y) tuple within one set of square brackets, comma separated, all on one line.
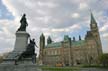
[(21, 41)]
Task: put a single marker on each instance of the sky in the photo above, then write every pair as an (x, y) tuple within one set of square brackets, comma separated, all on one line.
[(54, 18)]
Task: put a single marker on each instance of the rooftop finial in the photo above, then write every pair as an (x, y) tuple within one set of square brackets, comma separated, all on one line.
[(42, 35), (73, 39), (79, 37), (49, 40)]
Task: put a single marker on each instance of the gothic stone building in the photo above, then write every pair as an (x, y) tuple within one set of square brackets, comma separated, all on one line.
[(71, 52)]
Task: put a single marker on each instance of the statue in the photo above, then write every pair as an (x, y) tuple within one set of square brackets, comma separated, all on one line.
[(29, 52), (24, 23)]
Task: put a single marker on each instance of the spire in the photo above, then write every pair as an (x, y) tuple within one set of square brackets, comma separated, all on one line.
[(79, 37), (93, 24), (93, 21), (42, 41), (49, 40), (73, 39), (42, 36)]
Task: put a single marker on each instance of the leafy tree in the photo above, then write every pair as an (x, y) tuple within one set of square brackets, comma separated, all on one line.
[(104, 59), (1, 59)]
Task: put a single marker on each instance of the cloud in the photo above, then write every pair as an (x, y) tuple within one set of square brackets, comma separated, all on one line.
[(7, 34), (53, 17), (105, 35), (44, 19), (104, 28), (68, 29), (58, 39), (83, 6), (75, 15), (47, 4), (10, 8)]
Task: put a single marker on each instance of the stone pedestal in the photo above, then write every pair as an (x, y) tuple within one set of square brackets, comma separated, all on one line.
[(20, 46), (21, 41)]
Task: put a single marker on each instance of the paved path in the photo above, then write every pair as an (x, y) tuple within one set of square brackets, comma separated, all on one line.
[(93, 69), (21, 67)]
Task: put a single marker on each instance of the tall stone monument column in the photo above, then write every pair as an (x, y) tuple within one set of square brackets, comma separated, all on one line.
[(23, 57), (22, 36)]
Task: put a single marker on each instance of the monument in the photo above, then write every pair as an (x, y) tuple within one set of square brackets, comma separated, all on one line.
[(23, 54)]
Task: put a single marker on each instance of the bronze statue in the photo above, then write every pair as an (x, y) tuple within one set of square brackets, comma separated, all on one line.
[(24, 23), (29, 52)]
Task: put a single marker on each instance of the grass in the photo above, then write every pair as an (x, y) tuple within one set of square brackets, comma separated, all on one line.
[(60, 69), (94, 66), (73, 68)]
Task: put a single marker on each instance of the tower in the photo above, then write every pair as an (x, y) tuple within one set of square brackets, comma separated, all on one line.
[(79, 37), (95, 33), (42, 46), (49, 40), (42, 41), (74, 39)]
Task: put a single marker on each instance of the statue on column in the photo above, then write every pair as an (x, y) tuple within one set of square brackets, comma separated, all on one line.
[(24, 23)]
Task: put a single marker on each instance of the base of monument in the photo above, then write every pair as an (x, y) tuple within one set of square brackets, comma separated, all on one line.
[(23, 61), (21, 67)]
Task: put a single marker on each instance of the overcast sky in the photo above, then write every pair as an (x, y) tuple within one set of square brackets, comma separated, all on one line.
[(52, 17)]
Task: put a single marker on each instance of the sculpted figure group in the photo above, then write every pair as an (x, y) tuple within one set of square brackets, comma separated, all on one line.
[(30, 49)]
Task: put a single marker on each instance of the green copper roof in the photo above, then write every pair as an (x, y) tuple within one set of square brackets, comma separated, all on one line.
[(59, 44), (66, 37), (78, 43), (54, 44)]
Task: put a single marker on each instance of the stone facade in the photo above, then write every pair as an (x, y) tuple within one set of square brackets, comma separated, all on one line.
[(71, 52)]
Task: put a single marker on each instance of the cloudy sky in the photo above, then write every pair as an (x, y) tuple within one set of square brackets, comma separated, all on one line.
[(52, 17)]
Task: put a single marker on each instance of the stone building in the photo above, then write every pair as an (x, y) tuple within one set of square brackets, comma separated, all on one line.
[(71, 52)]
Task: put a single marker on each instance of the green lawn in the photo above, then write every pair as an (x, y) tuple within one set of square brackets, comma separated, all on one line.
[(94, 66), (77, 68), (60, 68)]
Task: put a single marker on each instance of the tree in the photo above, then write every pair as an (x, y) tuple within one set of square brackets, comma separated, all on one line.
[(104, 59), (1, 59)]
